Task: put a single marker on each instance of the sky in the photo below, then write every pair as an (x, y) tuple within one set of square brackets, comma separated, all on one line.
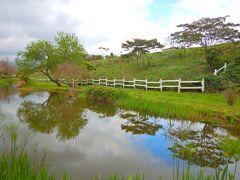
[(106, 23)]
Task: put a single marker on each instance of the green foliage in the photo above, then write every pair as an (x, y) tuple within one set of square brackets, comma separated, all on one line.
[(139, 47), (216, 56), (233, 71), (37, 55), (68, 47), (103, 94), (211, 57), (215, 83), (206, 32), (44, 56)]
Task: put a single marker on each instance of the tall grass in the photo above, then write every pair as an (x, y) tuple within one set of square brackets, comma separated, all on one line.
[(16, 165)]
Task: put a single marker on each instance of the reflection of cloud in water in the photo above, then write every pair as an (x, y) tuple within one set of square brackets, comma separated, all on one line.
[(102, 147)]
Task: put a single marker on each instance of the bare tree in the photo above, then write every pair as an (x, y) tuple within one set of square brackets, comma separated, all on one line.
[(6, 68)]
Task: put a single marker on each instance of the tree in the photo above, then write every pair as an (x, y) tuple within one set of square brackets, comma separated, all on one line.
[(141, 46), (206, 32), (104, 51), (44, 56), (6, 68), (70, 70)]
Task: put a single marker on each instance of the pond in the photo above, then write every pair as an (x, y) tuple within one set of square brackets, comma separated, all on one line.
[(87, 139)]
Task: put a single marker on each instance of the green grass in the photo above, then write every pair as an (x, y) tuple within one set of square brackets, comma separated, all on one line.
[(193, 106), (191, 65), (16, 164), (188, 64), (5, 82), (39, 86)]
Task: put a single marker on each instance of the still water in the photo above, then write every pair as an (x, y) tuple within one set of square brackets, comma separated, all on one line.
[(87, 139)]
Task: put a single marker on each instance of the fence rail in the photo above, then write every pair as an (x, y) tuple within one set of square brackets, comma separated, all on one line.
[(144, 84), (224, 67)]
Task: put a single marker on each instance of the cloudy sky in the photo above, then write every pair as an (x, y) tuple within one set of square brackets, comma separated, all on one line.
[(98, 23)]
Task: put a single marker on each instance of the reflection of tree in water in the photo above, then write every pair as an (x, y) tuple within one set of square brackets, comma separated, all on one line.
[(58, 111), (199, 147), (7, 92), (103, 109), (138, 124)]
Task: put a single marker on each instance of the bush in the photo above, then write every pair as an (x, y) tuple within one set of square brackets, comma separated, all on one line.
[(233, 71), (230, 95), (212, 57), (103, 94), (216, 56), (215, 83)]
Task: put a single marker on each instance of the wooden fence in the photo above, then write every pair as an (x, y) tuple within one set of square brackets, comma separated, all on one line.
[(143, 84)]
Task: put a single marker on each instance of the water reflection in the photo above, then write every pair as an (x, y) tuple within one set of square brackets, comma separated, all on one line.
[(139, 124), (87, 138), (59, 111), (197, 146), (7, 92)]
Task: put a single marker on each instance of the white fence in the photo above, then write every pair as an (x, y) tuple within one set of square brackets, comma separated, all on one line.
[(220, 69), (143, 84)]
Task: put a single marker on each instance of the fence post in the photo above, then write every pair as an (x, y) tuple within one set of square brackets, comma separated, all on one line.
[(106, 81), (134, 84), (179, 85), (203, 85), (225, 67), (160, 85), (215, 72), (73, 82), (114, 83), (146, 84), (123, 82)]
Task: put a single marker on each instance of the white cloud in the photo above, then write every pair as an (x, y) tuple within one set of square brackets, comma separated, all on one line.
[(105, 23), (186, 11)]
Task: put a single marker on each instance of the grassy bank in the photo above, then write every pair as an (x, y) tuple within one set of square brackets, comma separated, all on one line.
[(186, 105), (5, 82), (194, 106)]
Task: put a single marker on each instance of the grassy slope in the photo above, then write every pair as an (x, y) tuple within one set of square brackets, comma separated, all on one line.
[(165, 65), (186, 64)]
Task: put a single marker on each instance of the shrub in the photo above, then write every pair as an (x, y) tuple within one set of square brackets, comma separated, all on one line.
[(233, 71), (215, 83), (212, 57), (103, 94), (230, 95), (21, 84)]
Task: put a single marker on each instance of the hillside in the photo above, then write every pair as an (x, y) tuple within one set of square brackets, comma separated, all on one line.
[(187, 64)]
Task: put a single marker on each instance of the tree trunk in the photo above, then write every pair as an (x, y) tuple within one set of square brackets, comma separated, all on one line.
[(50, 78)]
